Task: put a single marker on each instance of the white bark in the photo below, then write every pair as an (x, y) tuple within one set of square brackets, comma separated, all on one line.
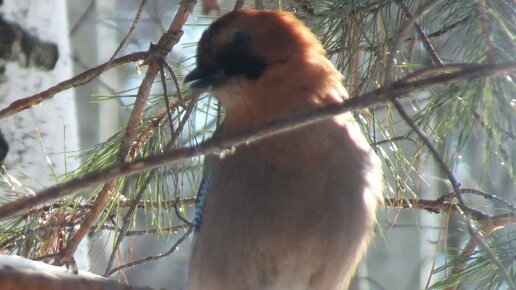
[(43, 140)]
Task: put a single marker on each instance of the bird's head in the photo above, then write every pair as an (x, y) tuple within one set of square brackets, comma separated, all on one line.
[(263, 65)]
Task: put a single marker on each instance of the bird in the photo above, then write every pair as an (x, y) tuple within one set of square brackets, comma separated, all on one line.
[(295, 210)]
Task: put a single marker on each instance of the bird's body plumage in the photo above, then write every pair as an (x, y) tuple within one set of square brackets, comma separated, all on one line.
[(291, 211)]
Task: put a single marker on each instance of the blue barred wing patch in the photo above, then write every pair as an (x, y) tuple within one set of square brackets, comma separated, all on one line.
[(199, 202)]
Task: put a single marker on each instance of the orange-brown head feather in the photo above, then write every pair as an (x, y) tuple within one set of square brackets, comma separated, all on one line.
[(264, 65)]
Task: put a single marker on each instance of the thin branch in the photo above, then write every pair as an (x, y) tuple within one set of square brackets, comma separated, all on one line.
[(101, 82), (447, 28), (80, 79), (176, 82), (165, 97), (486, 30), (83, 17), (392, 140), (180, 216), (126, 221), (161, 204), (167, 230), (483, 194), (153, 258), (426, 41), (131, 30), (422, 10), (433, 70), (489, 196), (217, 144)]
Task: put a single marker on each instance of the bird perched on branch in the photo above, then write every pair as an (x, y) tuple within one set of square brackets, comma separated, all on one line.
[(290, 211)]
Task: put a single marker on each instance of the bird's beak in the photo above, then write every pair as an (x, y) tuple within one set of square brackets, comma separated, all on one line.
[(200, 78)]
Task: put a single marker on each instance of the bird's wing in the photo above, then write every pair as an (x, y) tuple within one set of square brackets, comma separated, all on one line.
[(210, 162)]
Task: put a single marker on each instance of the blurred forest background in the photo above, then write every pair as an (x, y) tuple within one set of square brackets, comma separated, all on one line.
[(423, 240)]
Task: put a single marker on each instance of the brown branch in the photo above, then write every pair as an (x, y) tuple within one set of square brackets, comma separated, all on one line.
[(161, 204), (486, 30), (392, 140), (424, 38), (492, 222), (407, 25), (446, 29), (176, 81), (153, 258), (172, 229), (215, 145), (131, 30), (80, 79), (165, 97)]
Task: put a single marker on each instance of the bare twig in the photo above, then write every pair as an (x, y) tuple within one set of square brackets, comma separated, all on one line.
[(424, 38), (161, 204), (215, 145), (447, 28), (174, 78), (165, 97), (80, 79), (392, 140), (422, 10), (483, 194), (131, 30), (83, 16), (153, 258), (126, 221), (486, 30), (179, 215), (172, 229), (489, 196)]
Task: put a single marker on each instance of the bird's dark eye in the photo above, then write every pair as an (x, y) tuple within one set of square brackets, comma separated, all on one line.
[(237, 58)]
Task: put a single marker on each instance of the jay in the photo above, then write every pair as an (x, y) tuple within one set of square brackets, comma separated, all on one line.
[(290, 211)]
